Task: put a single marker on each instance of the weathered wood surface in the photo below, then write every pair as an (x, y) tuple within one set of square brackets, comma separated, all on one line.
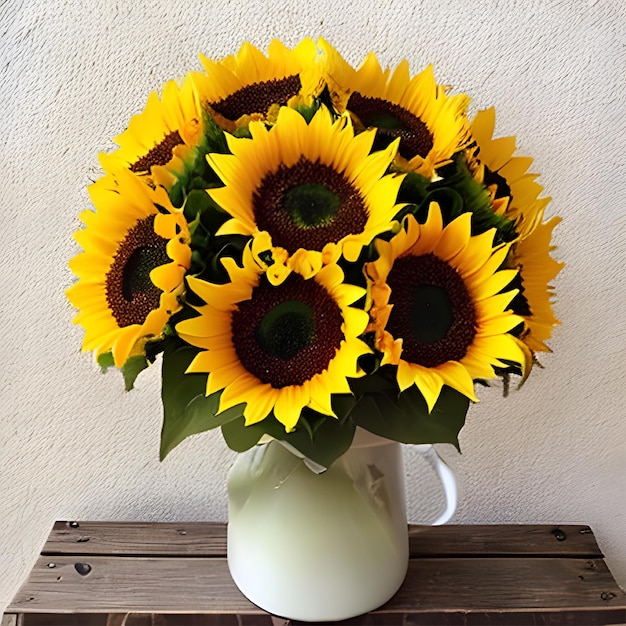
[(209, 539), (141, 538), (503, 540), (188, 585), (121, 574)]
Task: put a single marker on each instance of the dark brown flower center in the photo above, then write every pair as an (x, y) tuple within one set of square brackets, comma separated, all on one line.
[(130, 293), (257, 97), (308, 205), (432, 312), (159, 155), (392, 121), (285, 335)]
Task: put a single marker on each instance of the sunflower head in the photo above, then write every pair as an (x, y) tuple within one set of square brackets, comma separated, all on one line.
[(537, 269), (278, 348), (439, 306), (165, 136), (251, 85), (312, 191), (130, 274), (514, 191), (430, 125), (515, 194)]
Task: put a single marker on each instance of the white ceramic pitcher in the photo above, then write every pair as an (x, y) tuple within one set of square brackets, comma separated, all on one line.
[(323, 546)]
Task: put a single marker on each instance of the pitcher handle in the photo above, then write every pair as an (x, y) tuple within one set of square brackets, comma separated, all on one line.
[(448, 482)]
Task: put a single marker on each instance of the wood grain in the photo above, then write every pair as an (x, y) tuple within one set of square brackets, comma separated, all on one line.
[(151, 619), (141, 538), (503, 540), (209, 539), (145, 584)]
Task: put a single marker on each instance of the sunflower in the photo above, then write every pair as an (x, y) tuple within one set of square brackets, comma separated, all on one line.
[(431, 125), (313, 190), (514, 191), (167, 130), (438, 308), (131, 271), (250, 85), (515, 194), (279, 347), (531, 256)]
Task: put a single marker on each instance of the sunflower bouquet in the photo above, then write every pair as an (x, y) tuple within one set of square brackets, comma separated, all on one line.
[(309, 247)]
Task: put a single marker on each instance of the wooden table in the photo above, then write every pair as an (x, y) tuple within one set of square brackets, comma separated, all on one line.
[(143, 574)]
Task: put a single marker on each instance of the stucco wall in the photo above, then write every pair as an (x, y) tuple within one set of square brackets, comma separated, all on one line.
[(74, 445)]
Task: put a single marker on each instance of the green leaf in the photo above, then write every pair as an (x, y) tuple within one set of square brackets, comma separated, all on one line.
[(474, 198), (132, 368), (205, 217), (186, 409), (196, 173), (449, 201), (196, 202), (413, 189), (308, 112), (239, 437), (382, 381), (200, 206), (154, 347), (214, 135), (105, 361), (330, 440), (406, 418), (342, 405), (323, 442)]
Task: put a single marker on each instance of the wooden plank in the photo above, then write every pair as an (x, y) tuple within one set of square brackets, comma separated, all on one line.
[(151, 619), (497, 585), (444, 585), (137, 538), (209, 539), (568, 618), (504, 540), (130, 584)]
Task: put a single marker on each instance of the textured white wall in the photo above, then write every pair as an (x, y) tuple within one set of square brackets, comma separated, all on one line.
[(74, 445)]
